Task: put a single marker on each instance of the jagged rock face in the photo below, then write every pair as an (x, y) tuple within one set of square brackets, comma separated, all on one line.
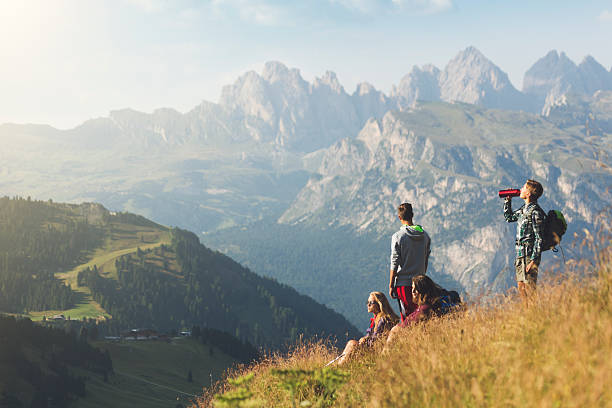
[(280, 110), (449, 161), (593, 114), (302, 116), (549, 72), (470, 77), (555, 75), (269, 122), (421, 84), (206, 124), (593, 76), (370, 102)]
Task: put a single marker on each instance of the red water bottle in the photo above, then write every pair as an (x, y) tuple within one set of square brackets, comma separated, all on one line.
[(511, 192)]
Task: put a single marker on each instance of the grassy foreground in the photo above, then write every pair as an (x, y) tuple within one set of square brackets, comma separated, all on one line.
[(555, 351)]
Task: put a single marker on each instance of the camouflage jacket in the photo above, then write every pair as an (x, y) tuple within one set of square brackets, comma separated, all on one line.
[(529, 230)]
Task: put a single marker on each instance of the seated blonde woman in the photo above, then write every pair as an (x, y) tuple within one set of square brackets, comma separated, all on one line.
[(384, 319)]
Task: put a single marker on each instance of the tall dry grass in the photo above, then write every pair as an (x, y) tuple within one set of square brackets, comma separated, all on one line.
[(555, 351), (265, 386)]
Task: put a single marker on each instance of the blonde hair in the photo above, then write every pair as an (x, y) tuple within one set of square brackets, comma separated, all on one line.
[(385, 309)]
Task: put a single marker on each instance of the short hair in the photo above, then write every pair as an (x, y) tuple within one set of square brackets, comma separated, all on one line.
[(426, 289), (535, 188), (405, 211)]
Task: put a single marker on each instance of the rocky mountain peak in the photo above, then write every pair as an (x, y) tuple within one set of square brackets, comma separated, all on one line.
[(471, 53), (471, 77), (594, 76), (166, 113), (128, 117), (418, 84), (472, 66), (555, 75), (249, 94), (329, 80), (274, 70), (547, 72), (589, 61), (277, 72), (364, 88)]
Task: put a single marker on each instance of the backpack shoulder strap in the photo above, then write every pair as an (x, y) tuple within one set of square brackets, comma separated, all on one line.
[(537, 208)]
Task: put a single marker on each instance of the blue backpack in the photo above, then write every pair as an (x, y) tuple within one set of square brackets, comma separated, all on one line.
[(447, 302)]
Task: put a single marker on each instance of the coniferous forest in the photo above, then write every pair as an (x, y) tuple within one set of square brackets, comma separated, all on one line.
[(131, 273), (38, 239), (37, 364), (177, 284), (186, 283)]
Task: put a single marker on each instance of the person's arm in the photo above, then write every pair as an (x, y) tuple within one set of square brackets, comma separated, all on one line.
[(509, 215), (537, 220), (395, 261), (392, 284), (379, 329)]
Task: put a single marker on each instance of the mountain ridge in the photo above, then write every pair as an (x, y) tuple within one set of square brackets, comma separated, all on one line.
[(468, 77), (417, 157), (216, 168)]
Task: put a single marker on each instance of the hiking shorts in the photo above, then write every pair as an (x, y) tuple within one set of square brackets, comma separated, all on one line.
[(404, 294), (520, 266)]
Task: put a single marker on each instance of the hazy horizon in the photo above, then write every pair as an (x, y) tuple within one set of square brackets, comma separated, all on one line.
[(68, 61)]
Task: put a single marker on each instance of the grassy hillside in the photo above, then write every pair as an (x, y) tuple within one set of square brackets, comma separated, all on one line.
[(552, 352), (117, 271), (155, 373), (185, 284), (85, 262), (121, 237)]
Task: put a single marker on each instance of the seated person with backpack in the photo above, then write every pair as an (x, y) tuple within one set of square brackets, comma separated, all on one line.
[(431, 300), (384, 319)]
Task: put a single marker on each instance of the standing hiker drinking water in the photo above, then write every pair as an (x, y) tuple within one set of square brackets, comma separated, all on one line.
[(410, 248), (529, 231)]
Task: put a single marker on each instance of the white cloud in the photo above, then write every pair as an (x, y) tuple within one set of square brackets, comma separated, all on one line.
[(424, 6), (409, 6), (259, 12), (605, 15)]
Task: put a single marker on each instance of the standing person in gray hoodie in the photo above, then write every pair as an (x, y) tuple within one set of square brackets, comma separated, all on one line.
[(410, 248)]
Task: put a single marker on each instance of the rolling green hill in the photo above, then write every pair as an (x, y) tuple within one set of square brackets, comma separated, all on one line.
[(108, 272), (85, 262)]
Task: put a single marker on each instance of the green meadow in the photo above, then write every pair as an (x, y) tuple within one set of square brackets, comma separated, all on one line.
[(121, 239)]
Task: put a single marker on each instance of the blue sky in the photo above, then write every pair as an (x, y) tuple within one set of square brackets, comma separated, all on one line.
[(65, 61)]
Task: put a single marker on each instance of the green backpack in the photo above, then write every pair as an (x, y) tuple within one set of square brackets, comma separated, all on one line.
[(554, 228)]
